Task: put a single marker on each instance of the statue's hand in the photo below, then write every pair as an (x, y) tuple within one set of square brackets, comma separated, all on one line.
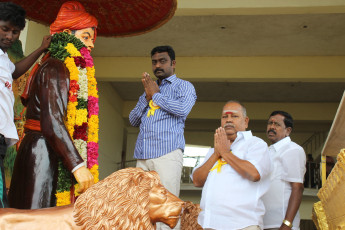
[(84, 178)]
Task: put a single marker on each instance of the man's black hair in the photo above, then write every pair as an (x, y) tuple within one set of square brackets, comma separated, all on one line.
[(161, 49), (288, 120), (15, 14)]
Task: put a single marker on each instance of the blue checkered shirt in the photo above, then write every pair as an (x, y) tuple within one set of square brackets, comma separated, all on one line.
[(163, 132)]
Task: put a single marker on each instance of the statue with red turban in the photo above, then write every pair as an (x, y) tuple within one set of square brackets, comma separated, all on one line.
[(57, 158)]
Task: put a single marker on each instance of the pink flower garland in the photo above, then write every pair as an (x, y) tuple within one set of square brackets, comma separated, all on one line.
[(87, 57)]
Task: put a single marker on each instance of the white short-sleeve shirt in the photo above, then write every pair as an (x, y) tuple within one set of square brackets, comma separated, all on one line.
[(7, 127), (288, 160), (228, 200)]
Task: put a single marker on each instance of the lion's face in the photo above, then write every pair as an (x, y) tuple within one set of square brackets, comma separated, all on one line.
[(164, 206), (130, 198)]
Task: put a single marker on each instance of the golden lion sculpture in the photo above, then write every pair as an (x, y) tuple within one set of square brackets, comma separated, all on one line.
[(129, 199)]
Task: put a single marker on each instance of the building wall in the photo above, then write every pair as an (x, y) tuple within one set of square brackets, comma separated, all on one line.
[(132, 134), (307, 206), (111, 129), (32, 36)]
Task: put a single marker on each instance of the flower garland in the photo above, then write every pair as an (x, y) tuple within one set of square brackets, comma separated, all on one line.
[(81, 120)]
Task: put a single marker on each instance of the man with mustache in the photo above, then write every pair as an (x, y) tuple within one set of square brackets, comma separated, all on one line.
[(234, 175), (161, 113), (12, 22), (285, 193)]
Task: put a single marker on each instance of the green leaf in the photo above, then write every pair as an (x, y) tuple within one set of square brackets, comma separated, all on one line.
[(60, 41)]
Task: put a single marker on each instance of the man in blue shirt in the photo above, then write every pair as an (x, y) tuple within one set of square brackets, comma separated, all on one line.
[(161, 113)]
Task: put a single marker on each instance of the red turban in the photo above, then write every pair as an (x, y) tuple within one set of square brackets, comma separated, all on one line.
[(72, 15)]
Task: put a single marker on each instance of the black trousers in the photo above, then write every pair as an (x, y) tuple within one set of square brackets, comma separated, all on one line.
[(3, 148)]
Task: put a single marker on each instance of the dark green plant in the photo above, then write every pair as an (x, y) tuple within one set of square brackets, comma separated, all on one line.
[(59, 42)]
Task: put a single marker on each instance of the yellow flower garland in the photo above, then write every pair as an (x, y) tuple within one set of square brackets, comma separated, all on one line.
[(79, 116)]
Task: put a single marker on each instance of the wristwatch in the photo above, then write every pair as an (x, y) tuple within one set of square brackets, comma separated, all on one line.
[(287, 223)]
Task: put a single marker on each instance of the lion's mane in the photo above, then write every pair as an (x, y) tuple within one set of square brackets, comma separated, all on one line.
[(120, 201), (189, 219)]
